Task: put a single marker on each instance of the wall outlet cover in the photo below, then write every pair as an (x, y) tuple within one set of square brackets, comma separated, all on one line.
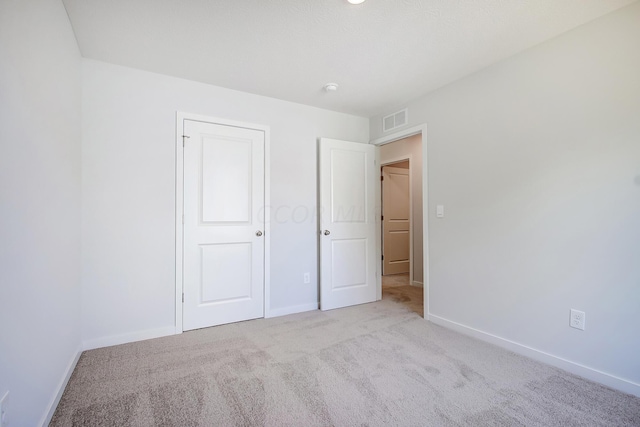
[(577, 319)]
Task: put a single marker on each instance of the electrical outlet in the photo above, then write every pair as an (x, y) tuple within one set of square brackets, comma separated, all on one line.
[(4, 418), (307, 278), (577, 319)]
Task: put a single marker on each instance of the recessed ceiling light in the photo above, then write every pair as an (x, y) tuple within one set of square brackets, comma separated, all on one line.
[(355, 1), (330, 87)]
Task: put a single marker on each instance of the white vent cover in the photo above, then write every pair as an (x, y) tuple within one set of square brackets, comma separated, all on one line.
[(395, 120)]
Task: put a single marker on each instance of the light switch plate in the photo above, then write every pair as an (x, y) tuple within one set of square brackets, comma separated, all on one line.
[(440, 211)]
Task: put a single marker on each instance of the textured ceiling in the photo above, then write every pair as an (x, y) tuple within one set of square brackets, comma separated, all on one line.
[(382, 53)]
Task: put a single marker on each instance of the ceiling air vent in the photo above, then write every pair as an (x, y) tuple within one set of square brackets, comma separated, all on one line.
[(395, 120)]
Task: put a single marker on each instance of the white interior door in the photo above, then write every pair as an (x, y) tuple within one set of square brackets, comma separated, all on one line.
[(347, 176), (395, 220), (223, 274)]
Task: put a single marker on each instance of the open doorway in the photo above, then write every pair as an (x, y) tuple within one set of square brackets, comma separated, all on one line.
[(396, 218), (401, 222), (395, 181)]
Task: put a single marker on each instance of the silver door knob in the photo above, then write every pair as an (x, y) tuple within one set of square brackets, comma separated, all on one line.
[(258, 233), (327, 232)]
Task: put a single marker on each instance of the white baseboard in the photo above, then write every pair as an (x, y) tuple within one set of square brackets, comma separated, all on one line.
[(277, 312), (51, 409), (127, 338), (418, 284), (567, 365)]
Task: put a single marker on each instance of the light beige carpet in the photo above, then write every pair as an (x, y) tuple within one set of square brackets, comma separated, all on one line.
[(392, 280), (375, 364), (396, 288)]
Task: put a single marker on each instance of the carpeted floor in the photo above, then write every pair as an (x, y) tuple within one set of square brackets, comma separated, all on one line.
[(374, 364), (393, 280), (396, 288)]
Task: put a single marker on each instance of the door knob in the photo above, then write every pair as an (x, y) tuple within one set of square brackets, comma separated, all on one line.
[(327, 232), (258, 233)]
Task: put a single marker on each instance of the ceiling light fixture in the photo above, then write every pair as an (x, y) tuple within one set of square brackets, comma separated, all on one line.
[(330, 87), (355, 1)]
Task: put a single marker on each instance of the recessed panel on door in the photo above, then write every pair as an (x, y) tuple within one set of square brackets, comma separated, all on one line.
[(349, 186), (226, 179), (399, 241), (398, 185), (349, 263), (220, 284)]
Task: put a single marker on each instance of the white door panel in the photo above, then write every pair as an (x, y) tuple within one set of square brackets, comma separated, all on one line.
[(347, 221), (216, 276), (223, 275), (348, 186), (348, 263), (226, 179)]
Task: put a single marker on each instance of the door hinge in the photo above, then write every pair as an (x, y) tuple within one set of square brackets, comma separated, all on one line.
[(382, 257), (183, 297), (381, 219), (381, 178), (183, 218), (184, 137)]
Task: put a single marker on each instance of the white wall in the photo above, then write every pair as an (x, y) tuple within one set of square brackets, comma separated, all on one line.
[(411, 146), (128, 189), (40, 205), (537, 162)]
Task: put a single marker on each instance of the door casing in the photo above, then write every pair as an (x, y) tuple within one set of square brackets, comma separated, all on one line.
[(420, 129), (180, 118)]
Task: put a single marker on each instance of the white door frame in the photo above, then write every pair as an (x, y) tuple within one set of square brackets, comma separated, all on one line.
[(420, 129), (391, 162), (180, 118)]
